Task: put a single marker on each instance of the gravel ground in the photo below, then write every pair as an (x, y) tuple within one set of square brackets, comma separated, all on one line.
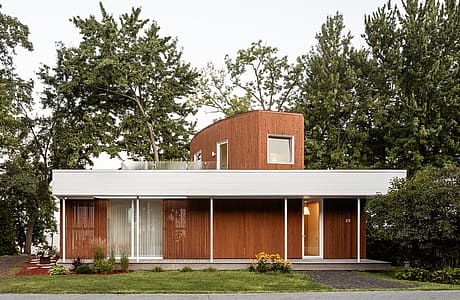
[(352, 280), (7, 262)]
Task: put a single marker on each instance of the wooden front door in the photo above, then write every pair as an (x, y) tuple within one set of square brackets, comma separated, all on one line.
[(340, 238)]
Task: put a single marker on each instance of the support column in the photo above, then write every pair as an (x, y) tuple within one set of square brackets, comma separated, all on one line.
[(137, 229), (285, 229), (133, 220), (63, 229), (359, 231), (211, 229)]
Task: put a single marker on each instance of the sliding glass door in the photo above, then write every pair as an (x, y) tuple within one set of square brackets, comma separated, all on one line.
[(133, 223)]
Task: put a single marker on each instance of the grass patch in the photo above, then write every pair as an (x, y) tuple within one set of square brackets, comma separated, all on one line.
[(390, 274), (163, 282)]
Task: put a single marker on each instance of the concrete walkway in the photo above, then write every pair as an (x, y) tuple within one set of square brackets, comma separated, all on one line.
[(384, 295)]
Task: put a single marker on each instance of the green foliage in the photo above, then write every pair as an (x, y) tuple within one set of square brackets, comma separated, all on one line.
[(103, 266), (446, 275), (84, 269), (58, 270), (24, 183), (98, 251), (15, 93), (124, 261), (418, 220), (336, 103), (265, 262), (257, 78), (186, 269), (415, 50), (8, 236), (157, 269), (112, 257), (120, 89), (100, 263)]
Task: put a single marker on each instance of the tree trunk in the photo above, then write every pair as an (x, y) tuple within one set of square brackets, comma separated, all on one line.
[(29, 232)]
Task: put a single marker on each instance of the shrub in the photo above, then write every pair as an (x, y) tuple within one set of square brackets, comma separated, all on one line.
[(265, 262), (112, 257), (124, 261), (103, 266), (445, 275), (84, 269), (186, 269), (157, 269), (76, 263), (58, 270), (210, 269), (98, 250), (416, 274)]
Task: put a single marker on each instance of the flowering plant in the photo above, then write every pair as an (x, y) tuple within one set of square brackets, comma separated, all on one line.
[(266, 262)]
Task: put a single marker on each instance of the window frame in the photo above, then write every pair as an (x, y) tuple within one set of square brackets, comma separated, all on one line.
[(290, 138)]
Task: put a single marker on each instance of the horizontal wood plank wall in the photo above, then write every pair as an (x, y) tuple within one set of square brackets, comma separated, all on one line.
[(247, 139), (86, 222), (295, 214), (340, 236), (243, 228), (186, 228)]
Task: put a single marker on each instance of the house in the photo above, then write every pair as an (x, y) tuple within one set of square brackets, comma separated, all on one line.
[(258, 198)]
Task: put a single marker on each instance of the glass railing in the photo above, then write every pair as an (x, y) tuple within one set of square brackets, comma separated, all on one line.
[(168, 165)]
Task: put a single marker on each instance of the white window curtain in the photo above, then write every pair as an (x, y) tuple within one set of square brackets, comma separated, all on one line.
[(119, 221), (150, 228)]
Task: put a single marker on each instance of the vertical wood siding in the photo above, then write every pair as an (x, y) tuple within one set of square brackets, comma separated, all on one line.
[(247, 139), (186, 229), (295, 215), (340, 229), (86, 221), (243, 228)]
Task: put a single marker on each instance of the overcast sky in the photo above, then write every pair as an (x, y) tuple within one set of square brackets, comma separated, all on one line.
[(206, 30)]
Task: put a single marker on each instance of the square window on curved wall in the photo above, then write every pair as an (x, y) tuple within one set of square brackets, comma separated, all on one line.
[(280, 149)]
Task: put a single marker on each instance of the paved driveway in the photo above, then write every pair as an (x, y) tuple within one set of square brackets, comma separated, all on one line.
[(386, 295)]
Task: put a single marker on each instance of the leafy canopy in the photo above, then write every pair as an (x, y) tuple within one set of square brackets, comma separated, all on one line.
[(121, 89)]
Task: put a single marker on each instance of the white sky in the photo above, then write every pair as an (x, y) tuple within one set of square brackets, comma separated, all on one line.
[(206, 30)]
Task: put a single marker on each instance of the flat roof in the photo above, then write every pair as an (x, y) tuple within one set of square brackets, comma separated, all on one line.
[(163, 184)]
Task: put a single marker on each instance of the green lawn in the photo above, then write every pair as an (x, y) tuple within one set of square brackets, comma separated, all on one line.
[(163, 282)]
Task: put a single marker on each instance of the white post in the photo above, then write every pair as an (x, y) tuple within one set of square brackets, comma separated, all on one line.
[(132, 227), (285, 229), (211, 229), (137, 227), (359, 231), (63, 229)]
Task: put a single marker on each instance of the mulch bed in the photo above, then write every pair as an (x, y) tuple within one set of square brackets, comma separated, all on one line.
[(353, 280), (33, 267)]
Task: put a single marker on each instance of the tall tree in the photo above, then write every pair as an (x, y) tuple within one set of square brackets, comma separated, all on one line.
[(25, 199), (417, 52), (333, 96), (256, 79), (121, 89), (14, 91)]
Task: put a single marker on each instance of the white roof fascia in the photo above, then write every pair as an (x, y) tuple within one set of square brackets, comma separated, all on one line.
[(148, 184)]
